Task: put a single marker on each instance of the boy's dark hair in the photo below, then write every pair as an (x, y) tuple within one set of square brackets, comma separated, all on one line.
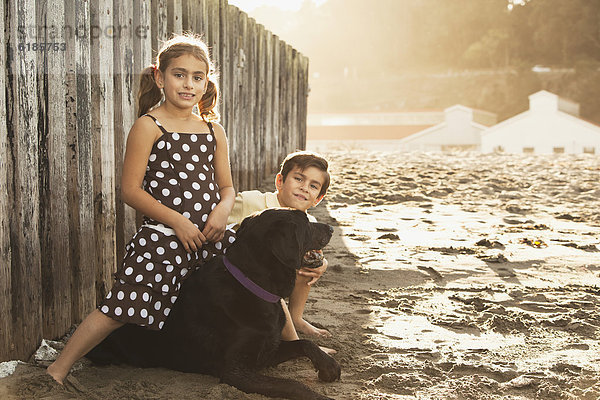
[(303, 160)]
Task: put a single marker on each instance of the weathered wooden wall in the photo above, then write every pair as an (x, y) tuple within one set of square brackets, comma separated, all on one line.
[(64, 118)]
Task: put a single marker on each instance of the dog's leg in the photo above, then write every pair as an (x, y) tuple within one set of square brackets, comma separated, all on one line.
[(252, 382), (329, 369)]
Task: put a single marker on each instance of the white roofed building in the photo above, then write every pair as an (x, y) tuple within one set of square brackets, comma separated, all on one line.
[(460, 130), (551, 125)]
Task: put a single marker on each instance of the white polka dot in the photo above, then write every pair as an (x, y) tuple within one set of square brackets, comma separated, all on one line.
[(209, 138), (183, 271), (177, 201), (186, 214), (202, 176), (173, 299), (167, 311), (133, 295), (189, 166), (169, 268), (176, 157), (211, 186), (157, 305), (152, 157), (206, 196), (131, 311), (197, 206), (120, 295), (145, 297), (168, 146), (149, 266), (128, 271), (189, 256), (204, 253), (160, 324), (164, 164), (218, 196), (185, 147), (203, 148), (166, 192), (195, 158), (139, 278), (150, 320), (193, 138), (174, 280), (153, 184), (196, 186), (210, 157), (158, 277), (109, 295), (118, 311), (104, 309), (147, 255), (160, 251), (144, 313), (212, 207), (139, 259), (165, 288), (161, 144), (204, 217), (231, 239), (160, 174), (178, 259), (154, 237), (175, 135), (187, 195), (173, 181), (173, 245), (205, 167), (142, 242), (183, 175), (218, 245)]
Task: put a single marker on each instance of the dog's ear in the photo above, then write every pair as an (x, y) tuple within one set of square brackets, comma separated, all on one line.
[(286, 246)]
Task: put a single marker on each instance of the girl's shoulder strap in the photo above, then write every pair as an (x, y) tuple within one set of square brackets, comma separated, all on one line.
[(156, 122)]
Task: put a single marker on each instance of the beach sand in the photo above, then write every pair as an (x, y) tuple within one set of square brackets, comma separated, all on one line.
[(451, 276)]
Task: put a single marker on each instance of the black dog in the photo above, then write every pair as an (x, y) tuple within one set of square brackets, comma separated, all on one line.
[(221, 328)]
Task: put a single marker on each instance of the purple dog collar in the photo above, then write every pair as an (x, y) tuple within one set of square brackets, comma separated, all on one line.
[(248, 284)]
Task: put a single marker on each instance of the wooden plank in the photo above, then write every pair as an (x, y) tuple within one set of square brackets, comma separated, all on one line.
[(245, 114), (124, 116), (250, 104), (261, 98), (22, 126), (268, 105), (6, 337), (56, 275), (275, 103), (224, 68), (174, 11), (84, 270), (284, 100), (303, 94), (235, 134), (294, 102), (104, 149), (159, 25)]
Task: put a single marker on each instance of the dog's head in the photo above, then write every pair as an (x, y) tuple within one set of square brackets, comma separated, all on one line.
[(286, 233)]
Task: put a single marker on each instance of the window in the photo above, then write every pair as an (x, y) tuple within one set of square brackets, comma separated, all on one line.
[(528, 150), (558, 150), (589, 150)]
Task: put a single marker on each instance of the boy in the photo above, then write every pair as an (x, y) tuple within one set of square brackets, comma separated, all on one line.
[(301, 183)]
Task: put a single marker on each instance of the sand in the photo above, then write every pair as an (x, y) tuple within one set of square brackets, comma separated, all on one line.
[(452, 276)]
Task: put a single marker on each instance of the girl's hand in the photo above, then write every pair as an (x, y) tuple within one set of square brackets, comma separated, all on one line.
[(214, 229), (190, 236), (314, 273)]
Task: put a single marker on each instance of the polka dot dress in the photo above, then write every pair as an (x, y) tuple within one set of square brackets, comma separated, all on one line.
[(180, 175)]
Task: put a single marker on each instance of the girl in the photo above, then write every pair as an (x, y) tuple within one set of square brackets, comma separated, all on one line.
[(176, 173)]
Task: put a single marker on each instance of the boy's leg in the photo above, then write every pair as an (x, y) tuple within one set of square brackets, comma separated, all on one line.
[(94, 328), (297, 303), (288, 333)]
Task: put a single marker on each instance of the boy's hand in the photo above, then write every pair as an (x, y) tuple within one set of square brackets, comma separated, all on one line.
[(314, 273)]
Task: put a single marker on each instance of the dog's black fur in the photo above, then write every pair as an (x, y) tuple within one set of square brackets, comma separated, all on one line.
[(219, 327)]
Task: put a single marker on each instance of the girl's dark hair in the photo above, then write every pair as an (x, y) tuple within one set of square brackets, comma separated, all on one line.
[(150, 95)]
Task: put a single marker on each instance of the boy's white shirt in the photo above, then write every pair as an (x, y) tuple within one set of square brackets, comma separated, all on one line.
[(250, 201)]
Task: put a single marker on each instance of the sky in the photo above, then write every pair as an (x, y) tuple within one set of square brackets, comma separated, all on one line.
[(292, 5)]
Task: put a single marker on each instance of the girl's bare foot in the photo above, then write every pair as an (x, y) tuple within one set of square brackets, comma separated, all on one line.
[(308, 329), (56, 375)]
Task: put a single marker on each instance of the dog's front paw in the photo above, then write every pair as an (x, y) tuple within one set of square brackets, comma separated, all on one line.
[(329, 369)]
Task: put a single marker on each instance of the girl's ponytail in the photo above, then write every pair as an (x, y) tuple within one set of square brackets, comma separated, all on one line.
[(149, 94), (208, 104)]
